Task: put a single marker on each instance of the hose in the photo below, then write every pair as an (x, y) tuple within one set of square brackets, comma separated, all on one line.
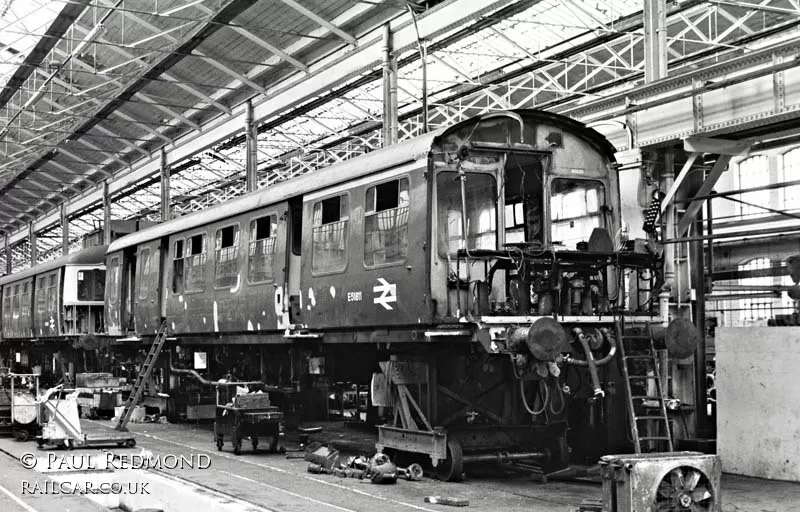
[(612, 351), (560, 393), (590, 362), (545, 400)]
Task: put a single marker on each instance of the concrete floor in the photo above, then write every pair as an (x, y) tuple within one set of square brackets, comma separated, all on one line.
[(271, 482)]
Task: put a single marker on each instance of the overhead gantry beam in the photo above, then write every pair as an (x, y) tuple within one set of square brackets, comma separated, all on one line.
[(325, 75)]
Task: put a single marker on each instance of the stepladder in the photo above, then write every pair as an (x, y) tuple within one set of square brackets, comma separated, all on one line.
[(645, 389), (141, 380)]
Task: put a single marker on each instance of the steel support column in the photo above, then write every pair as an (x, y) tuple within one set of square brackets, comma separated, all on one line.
[(164, 187), (699, 284), (389, 89), (64, 230), (251, 132), (655, 40), (32, 242), (8, 254), (106, 214)]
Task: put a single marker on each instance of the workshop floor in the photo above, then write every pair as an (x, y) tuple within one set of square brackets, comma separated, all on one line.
[(272, 482)]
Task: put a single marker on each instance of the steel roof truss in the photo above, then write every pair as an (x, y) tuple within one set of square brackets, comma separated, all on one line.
[(168, 111), (321, 21), (143, 125), (267, 46)]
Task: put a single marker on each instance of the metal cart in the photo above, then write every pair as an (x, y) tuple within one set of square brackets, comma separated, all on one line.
[(245, 417), (19, 412), (62, 425)]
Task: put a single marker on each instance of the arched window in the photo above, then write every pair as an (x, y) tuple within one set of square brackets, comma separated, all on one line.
[(753, 172), (757, 309), (791, 172)]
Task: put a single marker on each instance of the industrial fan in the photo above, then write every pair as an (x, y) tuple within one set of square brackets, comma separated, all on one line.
[(661, 482), (684, 488)]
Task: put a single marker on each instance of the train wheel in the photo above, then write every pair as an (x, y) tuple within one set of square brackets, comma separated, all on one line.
[(23, 435), (452, 468), (237, 446), (130, 443), (219, 443)]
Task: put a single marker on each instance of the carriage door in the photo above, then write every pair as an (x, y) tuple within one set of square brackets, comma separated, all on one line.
[(147, 308), (128, 289), (294, 231)]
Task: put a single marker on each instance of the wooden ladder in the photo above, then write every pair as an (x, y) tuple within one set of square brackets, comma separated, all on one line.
[(141, 380), (647, 409)]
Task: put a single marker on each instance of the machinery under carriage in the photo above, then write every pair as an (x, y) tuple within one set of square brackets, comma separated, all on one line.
[(533, 283)]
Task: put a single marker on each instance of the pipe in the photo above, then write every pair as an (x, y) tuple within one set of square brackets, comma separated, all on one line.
[(597, 390), (206, 382), (667, 179), (605, 359), (502, 457)]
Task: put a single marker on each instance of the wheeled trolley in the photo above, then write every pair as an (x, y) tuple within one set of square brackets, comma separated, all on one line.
[(246, 417), (19, 392), (62, 425)]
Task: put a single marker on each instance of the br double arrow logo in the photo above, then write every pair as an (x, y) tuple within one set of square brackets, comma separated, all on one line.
[(388, 293)]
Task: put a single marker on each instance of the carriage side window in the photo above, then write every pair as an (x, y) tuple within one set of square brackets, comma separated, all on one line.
[(329, 235), (41, 298), (52, 293), (386, 223), (16, 298), (263, 235), (226, 268), (7, 303), (576, 208), (177, 266), (113, 280), (194, 279), (99, 277), (26, 301), (480, 193), (144, 273)]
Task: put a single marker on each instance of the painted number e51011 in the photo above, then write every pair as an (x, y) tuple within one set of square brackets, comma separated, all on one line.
[(353, 296)]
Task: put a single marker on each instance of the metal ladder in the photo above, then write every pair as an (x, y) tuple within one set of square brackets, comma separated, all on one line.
[(141, 380), (65, 374), (638, 353)]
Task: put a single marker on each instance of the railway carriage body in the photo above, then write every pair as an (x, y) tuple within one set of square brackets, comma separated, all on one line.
[(58, 300), (470, 269)]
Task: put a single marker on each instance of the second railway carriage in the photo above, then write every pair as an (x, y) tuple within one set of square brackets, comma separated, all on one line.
[(475, 276), (60, 300)]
